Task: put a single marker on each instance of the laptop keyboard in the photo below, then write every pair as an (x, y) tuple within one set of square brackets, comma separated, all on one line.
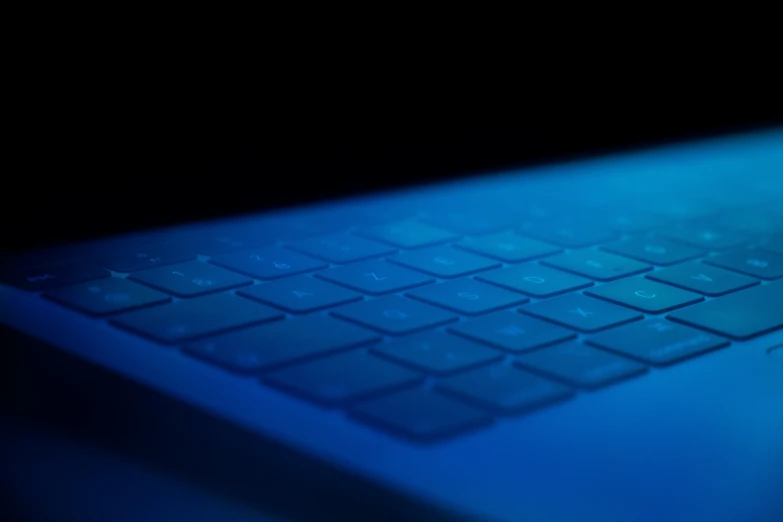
[(428, 325)]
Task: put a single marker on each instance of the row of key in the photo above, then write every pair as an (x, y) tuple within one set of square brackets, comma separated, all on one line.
[(489, 279)]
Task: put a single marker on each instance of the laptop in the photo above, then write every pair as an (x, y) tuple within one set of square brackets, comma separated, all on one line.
[(597, 339)]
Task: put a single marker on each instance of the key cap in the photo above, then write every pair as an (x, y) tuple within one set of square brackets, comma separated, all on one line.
[(107, 296), (437, 353), (342, 248), (190, 279), (408, 234), (296, 228), (375, 277), (627, 220), (185, 320), (508, 247), (754, 221), (384, 214), (757, 263), (566, 235), (740, 315), (535, 280), (421, 415), (468, 223), (468, 296), (657, 251), (704, 279), (504, 389), (273, 345), (211, 243), (444, 261), (512, 331), (394, 314), (644, 295), (532, 209), (581, 365), (268, 263), (595, 264), (53, 276), (657, 342), (582, 313), (703, 236), (300, 294), (681, 209), (262, 233), (338, 379), (774, 245), (149, 256)]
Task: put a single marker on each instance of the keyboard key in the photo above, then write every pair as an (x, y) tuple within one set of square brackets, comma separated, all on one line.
[(657, 342), (704, 279), (705, 236), (342, 248), (753, 221), (149, 256), (260, 233), (581, 365), (279, 343), (468, 223), (468, 296), (740, 315), (566, 235), (408, 234), (644, 295), (681, 209), (581, 313), (384, 214), (512, 331), (508, 247), (190, 279), (52, 276), (107, 296), (757, 263), (185, 320), (437, 353), (627, 221), (212, 244), (444, 261), (595, 264), (657, 251), (535, 280), (375, 277), (504, 389), (268, 263), (774, 244), (394, 315), (295, 228), (421, 415), (341, 378), (300, 294)]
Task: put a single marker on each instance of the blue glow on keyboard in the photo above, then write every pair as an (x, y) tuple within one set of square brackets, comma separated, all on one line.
[(575, 337)]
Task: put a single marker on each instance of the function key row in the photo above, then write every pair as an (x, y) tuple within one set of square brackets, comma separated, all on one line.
[(465, 296), (670, 244)]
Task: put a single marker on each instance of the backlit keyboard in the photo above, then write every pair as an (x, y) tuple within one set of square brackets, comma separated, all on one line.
[(426, 325)]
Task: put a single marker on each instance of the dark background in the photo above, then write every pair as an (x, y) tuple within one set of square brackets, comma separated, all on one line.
[(94, 169)]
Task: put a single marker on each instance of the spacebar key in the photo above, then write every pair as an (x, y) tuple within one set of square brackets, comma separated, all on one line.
[(739, 315)]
